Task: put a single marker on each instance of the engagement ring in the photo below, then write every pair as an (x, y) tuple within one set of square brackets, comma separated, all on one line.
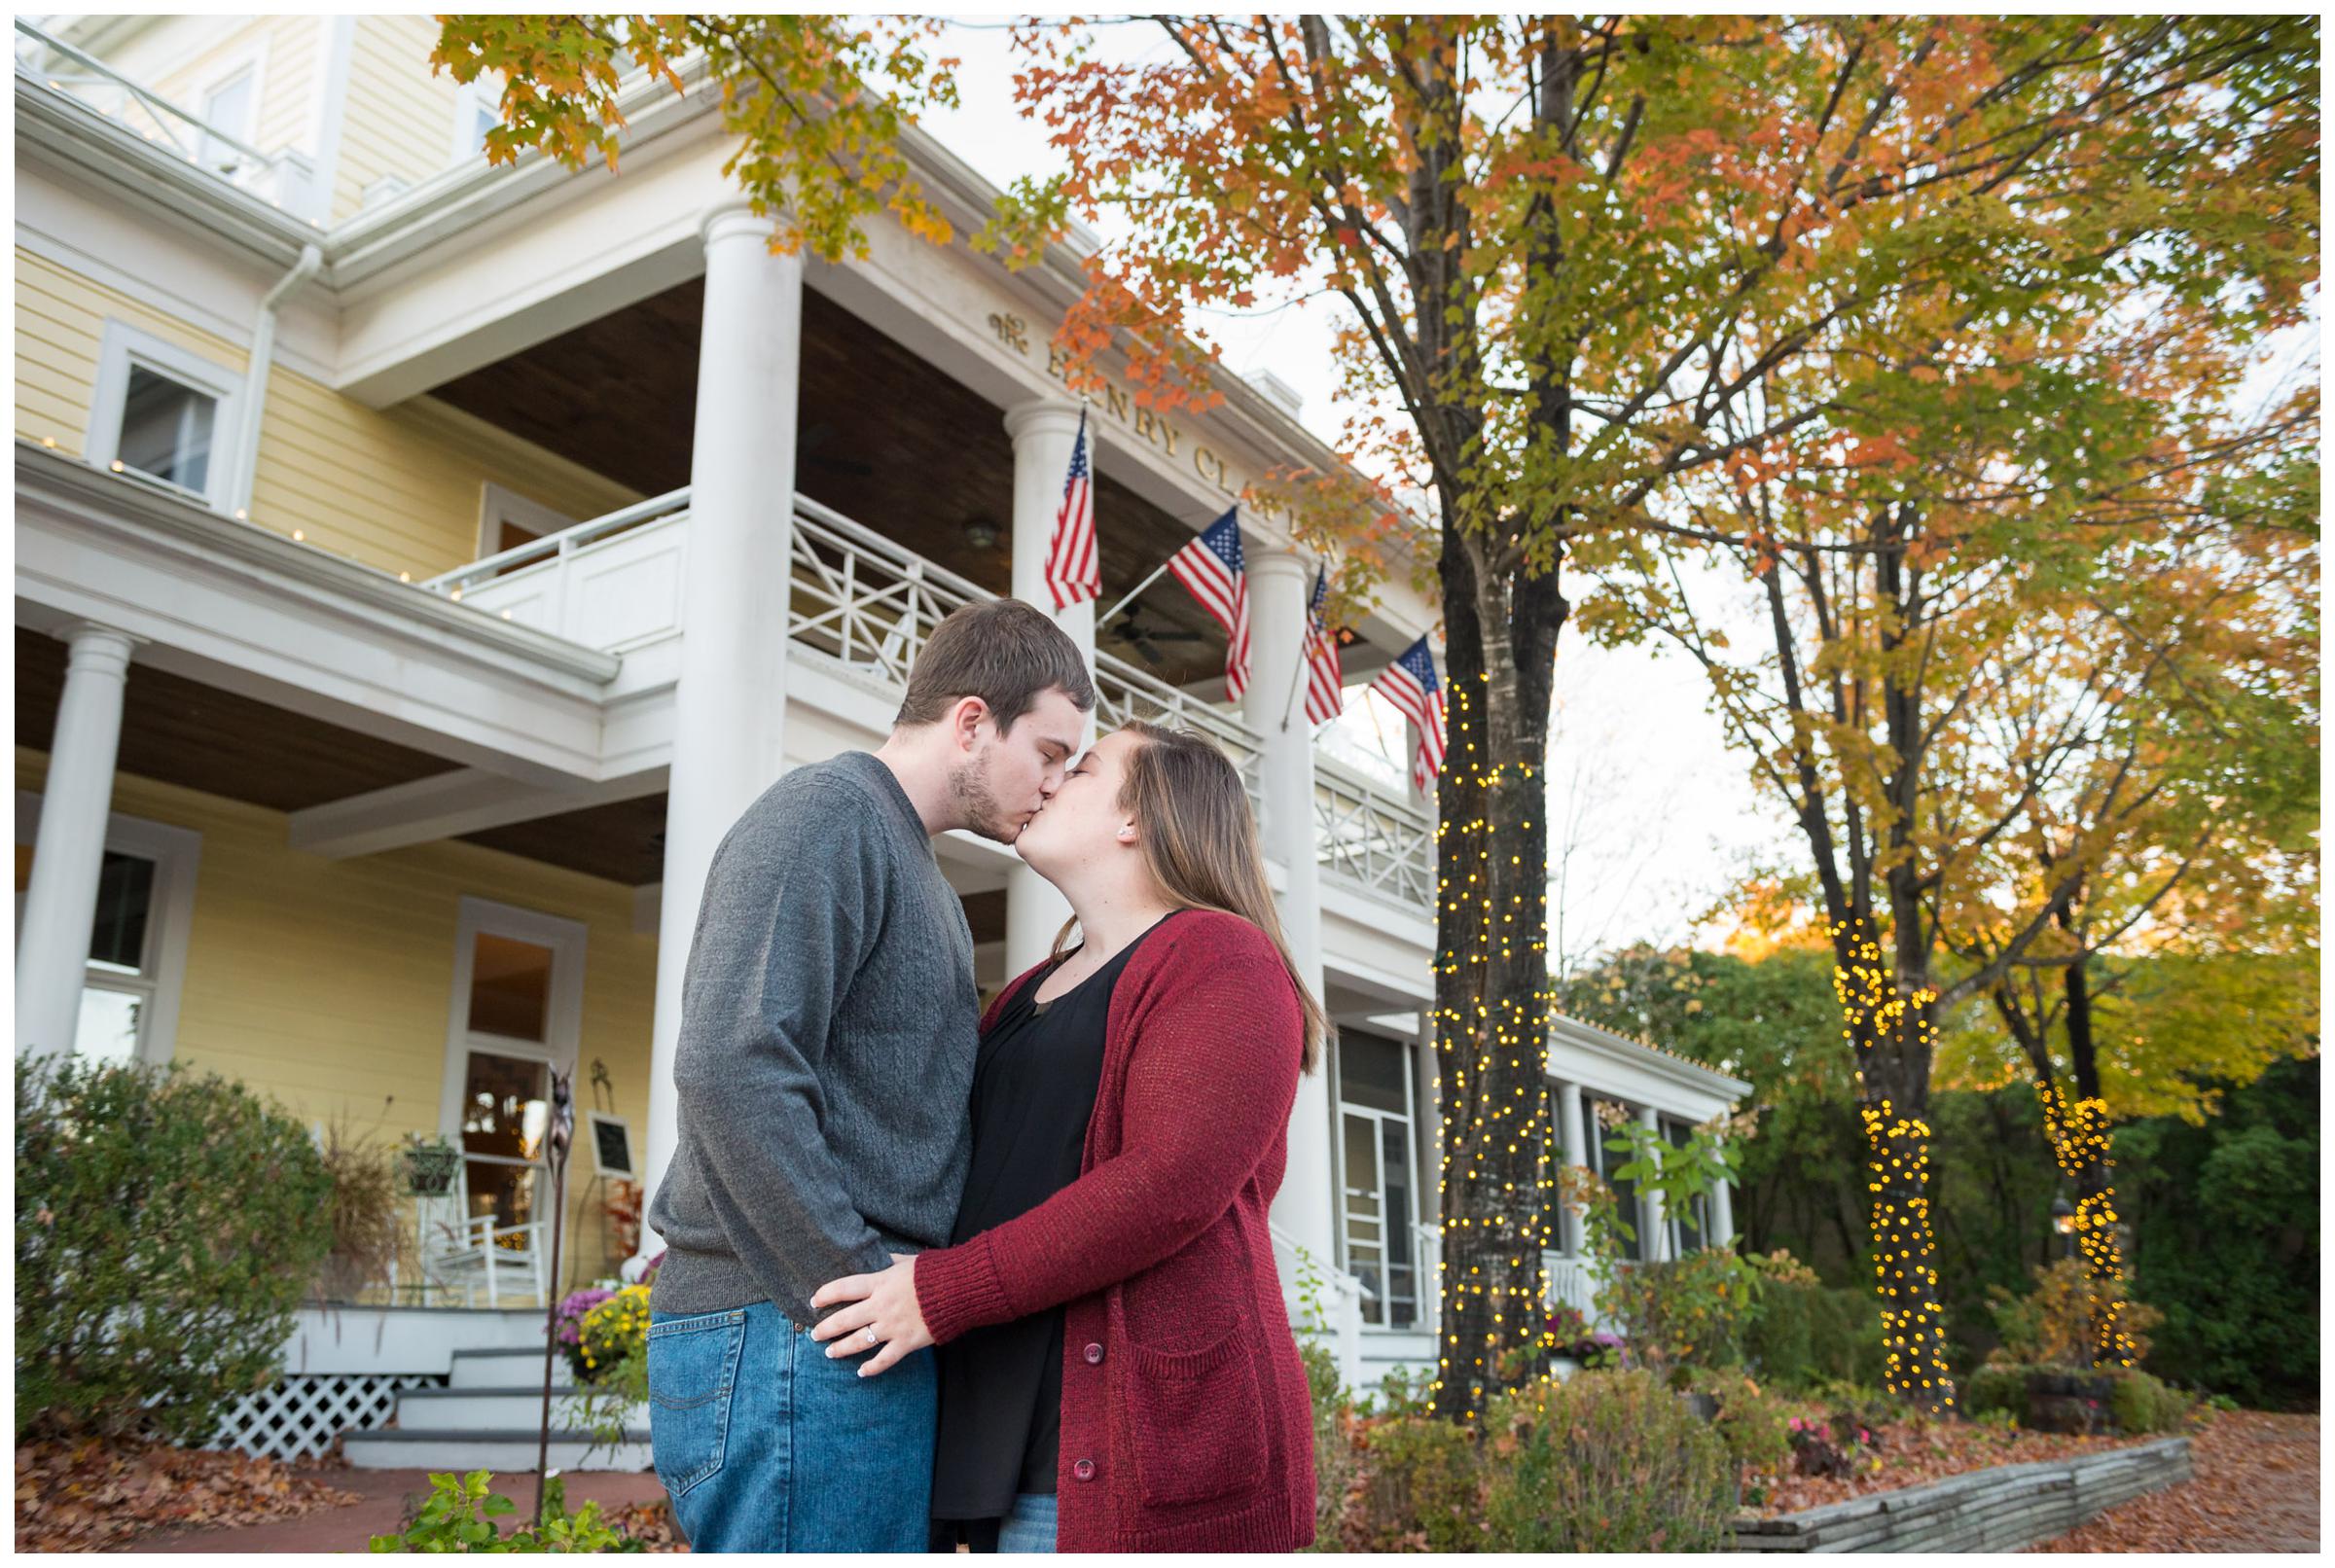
[(871, 1333)]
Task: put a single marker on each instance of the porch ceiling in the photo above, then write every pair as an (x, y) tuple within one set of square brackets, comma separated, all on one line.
[(883, 436), (182, 732)]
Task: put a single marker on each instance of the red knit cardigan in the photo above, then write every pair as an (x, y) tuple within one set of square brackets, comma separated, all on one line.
[(1186, 1422)]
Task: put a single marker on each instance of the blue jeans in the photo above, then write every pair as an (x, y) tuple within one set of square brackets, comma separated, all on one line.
[(1030, 1526), (764, 1444)]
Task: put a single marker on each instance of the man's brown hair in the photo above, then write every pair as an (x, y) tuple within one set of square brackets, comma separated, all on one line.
[(1005, 652)]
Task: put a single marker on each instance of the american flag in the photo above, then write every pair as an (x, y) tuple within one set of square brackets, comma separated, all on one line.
[(1213, 567), (1073, 567), (1325, 687), (1409, 683)]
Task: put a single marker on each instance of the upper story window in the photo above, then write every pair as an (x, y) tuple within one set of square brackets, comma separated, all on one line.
[(164, 411), (227, 109), (478, 110)]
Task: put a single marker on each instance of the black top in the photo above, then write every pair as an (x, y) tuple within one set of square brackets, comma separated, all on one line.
[(1034, 1082)]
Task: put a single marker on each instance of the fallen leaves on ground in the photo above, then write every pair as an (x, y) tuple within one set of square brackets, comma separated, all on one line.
[(1915, 1453), (98, 1496), (651, 1524), (2254, 1488)]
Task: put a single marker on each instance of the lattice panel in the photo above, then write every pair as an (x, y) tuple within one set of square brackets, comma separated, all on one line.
[(300, 1417)]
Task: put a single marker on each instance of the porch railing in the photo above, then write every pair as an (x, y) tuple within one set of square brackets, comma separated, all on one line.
[(1367, 834), (286, 178), (860, 598)]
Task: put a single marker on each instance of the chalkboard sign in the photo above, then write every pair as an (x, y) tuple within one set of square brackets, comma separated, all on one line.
[(611, 1145)]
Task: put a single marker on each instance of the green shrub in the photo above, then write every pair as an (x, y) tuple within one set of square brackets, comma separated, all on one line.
[(1780, 1332), (1424, 1488), (2143, 1403), (167, 1227), (1845, 1334), (1751, 1422), (1685, 1311), (1336, 1464), (459, 1516), (1989, 1389), (1603, 1462)]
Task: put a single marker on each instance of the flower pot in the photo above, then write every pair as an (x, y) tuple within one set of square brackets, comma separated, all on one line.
[(430, 1172)]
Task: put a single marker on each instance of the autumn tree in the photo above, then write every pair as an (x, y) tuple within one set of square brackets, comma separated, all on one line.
[(2188, 680), (1581, 263)]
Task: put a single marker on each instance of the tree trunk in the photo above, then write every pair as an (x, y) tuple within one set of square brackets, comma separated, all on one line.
[(2089, 1147)]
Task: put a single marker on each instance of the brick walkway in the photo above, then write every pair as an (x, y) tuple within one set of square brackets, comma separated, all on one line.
[(385, 1491), (2255, 1489)]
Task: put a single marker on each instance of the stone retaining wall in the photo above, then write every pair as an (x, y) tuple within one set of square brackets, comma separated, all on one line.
[(1999, 1510)]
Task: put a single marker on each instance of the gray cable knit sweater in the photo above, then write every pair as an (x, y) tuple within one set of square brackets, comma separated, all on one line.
[(828, 1030)]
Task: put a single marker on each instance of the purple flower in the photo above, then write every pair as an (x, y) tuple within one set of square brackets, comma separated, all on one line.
[(573, 1310)]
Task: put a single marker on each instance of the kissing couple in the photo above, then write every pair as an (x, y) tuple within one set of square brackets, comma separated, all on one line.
[(938, 1277)]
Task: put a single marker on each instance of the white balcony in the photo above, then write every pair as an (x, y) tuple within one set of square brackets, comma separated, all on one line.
[(863, 606), (285, 179), (1371, 836)]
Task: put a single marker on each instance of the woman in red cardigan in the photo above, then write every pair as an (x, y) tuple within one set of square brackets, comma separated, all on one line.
[(1118, 1372)]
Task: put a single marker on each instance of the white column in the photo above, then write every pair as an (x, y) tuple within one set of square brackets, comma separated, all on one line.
[(60, 900), (1576, 1152), (1649, 1206), (730, 701), (1306, 1208), (1043, 432), (1722, 1215)]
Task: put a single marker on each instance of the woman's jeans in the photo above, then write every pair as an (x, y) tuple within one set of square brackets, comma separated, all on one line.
[(1030, 1526), (764, 1444)]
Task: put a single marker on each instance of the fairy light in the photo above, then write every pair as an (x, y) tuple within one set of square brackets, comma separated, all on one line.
[(1913, 1323), (2077, 1131), (1477, 1040)]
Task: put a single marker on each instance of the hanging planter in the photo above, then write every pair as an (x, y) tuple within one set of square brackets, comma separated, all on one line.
[(431, 1164)]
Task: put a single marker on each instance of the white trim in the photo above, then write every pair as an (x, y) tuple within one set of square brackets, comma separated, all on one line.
[(499, 504), (335, 49), (562, 1023), (470, 97), (176, 854), (123, 346), (253, 59)]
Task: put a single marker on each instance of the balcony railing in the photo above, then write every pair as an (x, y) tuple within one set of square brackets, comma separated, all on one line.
[(1370, 836), (287, 178), (859, 598)]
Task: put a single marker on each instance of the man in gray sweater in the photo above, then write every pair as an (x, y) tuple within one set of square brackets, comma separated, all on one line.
[(828, 1021)]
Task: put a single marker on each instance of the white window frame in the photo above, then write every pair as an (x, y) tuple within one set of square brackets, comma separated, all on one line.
[(499, 504), (479, 95), (122, 346), (176, 854), (253, 63), (1422, 1287), (564, 1020)]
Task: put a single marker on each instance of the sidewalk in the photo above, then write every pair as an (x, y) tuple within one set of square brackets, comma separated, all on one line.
[(350, 1529)]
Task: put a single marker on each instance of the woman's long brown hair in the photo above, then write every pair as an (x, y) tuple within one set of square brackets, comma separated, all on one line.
[(1199, 840)]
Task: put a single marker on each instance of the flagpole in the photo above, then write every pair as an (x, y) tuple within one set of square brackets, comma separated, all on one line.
[(1295, 675), (1102, 620)]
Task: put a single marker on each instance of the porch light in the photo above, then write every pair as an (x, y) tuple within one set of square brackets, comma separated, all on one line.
[(2063, 1216), (116, 465), (404, 577), (299, 536), (49, 441), (243, 516), (980, 533)]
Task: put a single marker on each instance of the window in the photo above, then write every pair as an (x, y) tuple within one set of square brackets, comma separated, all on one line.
[(516, 1009), (1604, 1161), (1380, 1207), (164, 411), (166, 429), (227, 109), (508, 519), (478, 110), (137, 940)]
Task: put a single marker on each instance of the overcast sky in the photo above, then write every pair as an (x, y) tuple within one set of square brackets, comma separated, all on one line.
[(1652, 817)]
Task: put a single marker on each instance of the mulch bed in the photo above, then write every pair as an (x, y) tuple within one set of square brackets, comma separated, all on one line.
[(96, 1496), (1915, 1453), (2255, 1489), (651, 1524)]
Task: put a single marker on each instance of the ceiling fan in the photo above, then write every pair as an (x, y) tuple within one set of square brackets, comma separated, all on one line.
[(1146, 641)]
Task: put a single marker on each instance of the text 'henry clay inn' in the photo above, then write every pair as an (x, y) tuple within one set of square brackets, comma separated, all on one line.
[(407, 598)]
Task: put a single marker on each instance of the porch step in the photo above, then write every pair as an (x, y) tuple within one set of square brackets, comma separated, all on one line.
[(438, 1410), (506, 1368), (1382, 1353), (507, 1450)]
